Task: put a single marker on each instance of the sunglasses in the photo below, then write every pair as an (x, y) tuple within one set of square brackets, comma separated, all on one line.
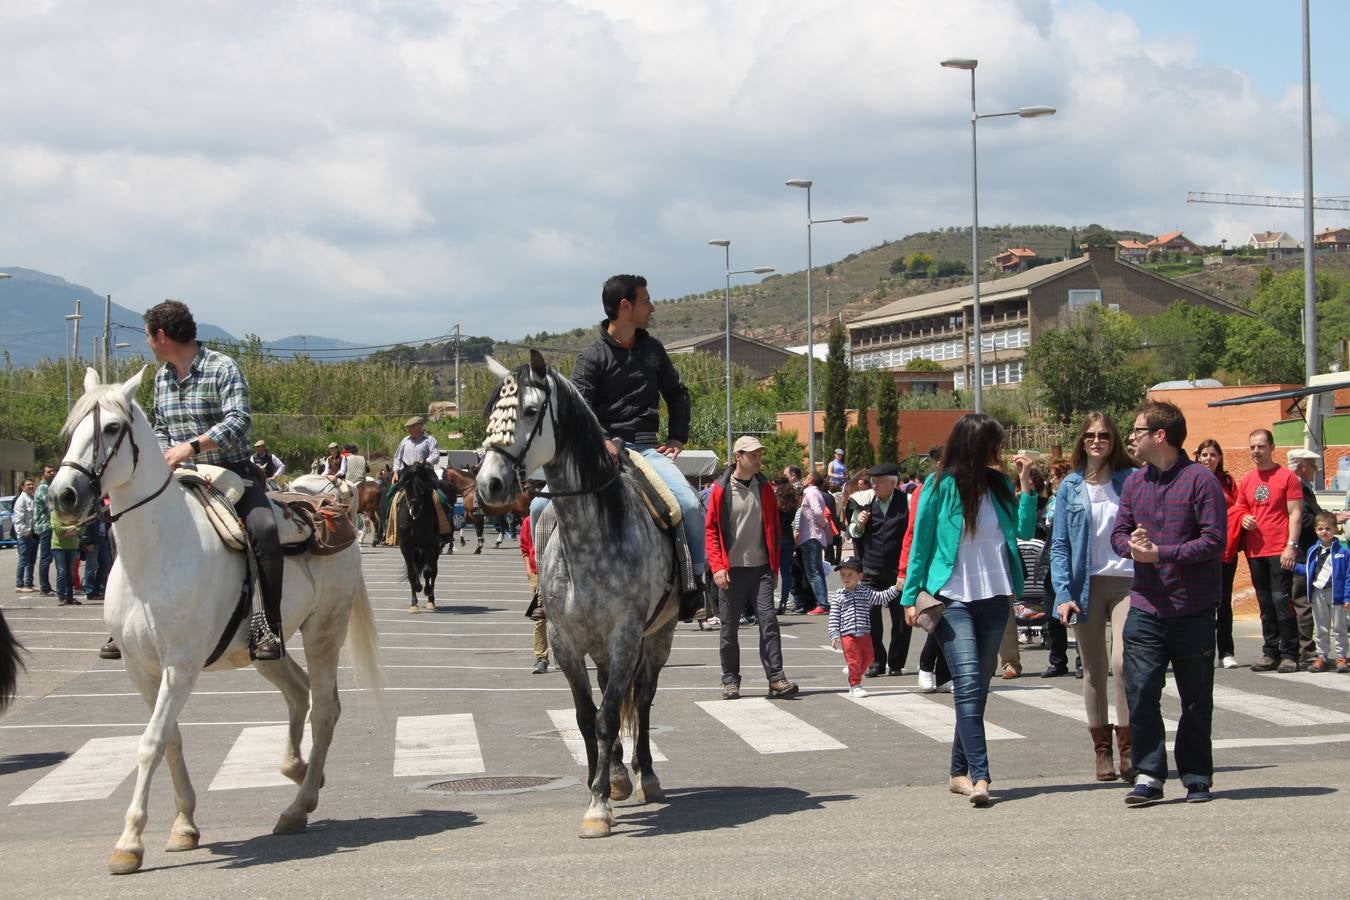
[(1097, 436)]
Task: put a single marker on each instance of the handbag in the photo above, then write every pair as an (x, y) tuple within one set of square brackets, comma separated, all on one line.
[(928, 611)]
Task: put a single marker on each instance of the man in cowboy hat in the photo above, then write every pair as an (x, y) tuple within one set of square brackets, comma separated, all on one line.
[(268, 463), (417, 447), (334, 465)]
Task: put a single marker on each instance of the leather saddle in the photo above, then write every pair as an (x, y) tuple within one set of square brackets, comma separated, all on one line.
[(305, 522)]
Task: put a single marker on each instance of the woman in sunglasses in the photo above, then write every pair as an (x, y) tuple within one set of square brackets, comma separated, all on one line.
[(1091, 583)]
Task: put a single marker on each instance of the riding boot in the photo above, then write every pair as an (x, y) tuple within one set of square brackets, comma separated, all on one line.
[(692, 603), (1127, 770), (1101, 746)]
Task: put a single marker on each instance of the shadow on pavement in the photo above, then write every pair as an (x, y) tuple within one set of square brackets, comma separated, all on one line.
[(710, 808), (1274, 792), (327, 837), (23, 761)]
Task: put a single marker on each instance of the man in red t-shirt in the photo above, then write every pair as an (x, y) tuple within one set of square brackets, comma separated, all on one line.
[(1270, 502)]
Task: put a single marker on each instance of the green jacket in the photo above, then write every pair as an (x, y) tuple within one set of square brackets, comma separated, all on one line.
[(938, 523), (65, 535)]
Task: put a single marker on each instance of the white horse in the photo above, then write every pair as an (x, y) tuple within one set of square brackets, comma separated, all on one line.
[(170, 597)]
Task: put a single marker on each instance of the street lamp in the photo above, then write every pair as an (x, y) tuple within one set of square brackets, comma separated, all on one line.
[(1025, 112), (120, 345), (73, 318), (810, 321), (758, 270)]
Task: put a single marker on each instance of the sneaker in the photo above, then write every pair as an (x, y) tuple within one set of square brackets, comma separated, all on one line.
[(819, 611), (540, 667), (875, 670), (25, 590), (1318, 665), (1055, 671), (927, 682), (893, 672), (731, 690), (857, 690), (47, 592), (1143, 795), (782, 688), (109, 650), (1230, 662), (1341, 666), (944, 688), (1198, 793), (1266, 665), (71, 601), (713, 622), (1286, 666)]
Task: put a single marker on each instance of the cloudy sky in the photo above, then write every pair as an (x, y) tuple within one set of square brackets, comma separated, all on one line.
[(376, 170)]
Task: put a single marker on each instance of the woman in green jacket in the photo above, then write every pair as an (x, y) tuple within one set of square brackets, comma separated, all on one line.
[(965, 553)]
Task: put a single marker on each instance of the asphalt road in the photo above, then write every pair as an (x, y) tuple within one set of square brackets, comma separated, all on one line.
[(818, 795)]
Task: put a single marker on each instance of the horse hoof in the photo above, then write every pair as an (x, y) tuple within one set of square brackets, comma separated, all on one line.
[(620, 786), (594, 827), (477, 550), (413, 608), (651, 792), (290, 824), (181, 841), (124, 862), (431, 605)]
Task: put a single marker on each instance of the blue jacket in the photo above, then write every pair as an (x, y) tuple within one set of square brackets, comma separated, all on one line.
[(1340, 569), (1071, 538)]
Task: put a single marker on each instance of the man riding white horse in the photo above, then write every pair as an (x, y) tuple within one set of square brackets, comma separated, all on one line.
[(622, 376), (201, 414), (267, 462), (334, 465)]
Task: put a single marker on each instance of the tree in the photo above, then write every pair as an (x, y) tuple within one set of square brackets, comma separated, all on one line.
[(1086, 365), (917, 263), (858, 445), (1268, 347), (1186, 342), (923, 364), (888, 426), (897, 265), (836, 387), (781, 449)]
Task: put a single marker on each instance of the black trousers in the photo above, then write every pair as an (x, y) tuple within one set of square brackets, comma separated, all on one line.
[(894, 659), (261, 525), (1279, 627), (750, 586), (1223, 626)]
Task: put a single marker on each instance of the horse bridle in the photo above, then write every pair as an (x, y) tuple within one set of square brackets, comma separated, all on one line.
[(95, 476)]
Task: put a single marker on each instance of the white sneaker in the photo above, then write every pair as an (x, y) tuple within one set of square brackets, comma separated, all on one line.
[(857, 691), (927, 681), (845, 670), (1230, 662), (945, 688)]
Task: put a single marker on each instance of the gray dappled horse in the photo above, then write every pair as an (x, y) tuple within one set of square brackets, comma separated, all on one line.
[(602, 571)]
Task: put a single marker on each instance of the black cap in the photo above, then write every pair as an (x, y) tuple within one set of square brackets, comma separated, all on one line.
[(884, 469), (851, 563)]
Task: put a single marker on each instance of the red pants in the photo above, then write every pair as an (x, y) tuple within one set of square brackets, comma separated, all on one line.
[(858, 654)]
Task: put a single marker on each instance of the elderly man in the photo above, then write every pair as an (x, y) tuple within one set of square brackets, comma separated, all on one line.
[(417, 447), (878, 531), (1303, 463), (267, 462)]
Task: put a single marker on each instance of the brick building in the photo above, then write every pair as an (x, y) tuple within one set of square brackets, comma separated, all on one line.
[(757, 356), (919, 428), (1174, 242)]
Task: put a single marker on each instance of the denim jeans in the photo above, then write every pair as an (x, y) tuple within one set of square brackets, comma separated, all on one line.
[(969, 634), (44, 561), (1187, 642), (23, 573), (751, 589), (812, 556), (97, 562), (65, 572)]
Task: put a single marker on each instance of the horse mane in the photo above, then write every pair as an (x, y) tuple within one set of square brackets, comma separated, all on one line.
[(105, 394)]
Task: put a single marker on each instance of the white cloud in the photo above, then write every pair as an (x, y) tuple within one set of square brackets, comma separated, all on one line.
[(374, 169)]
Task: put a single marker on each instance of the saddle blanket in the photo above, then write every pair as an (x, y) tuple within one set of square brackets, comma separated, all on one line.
[(391, 526), (319, 524)]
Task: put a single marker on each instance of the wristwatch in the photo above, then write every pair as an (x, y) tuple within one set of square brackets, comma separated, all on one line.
[(196, 446)]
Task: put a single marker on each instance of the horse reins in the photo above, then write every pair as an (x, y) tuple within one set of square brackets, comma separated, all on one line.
[(96, 476)]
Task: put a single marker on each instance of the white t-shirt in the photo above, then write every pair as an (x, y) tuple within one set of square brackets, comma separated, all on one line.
[(981, 569), (1103, 559)]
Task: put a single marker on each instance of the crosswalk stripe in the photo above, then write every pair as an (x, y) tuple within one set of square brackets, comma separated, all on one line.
[(767, 728), (565, 720), (928, 717), (254, 759), (1335, 684), (1054, 701), (92, 772), (1275, 710), (437, 745)]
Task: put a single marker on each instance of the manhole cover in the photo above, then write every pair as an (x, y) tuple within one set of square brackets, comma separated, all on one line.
[(497, 784)]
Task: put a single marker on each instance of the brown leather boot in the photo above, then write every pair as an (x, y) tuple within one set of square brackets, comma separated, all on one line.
[(1127, 770), (1101, 745)]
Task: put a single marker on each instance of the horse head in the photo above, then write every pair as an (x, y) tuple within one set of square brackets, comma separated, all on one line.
[(521, 428), (106, 431)]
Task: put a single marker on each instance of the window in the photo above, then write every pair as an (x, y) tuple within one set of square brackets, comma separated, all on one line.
[(1081, 298)]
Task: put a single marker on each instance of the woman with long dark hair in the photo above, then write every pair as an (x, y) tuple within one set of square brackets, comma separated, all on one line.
[(1210, 455), (788, 501), (1091, 583), (965, 554)]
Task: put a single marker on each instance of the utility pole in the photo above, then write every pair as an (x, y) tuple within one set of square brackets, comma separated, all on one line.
[(457, 370), (107, 334), (1309, 252)]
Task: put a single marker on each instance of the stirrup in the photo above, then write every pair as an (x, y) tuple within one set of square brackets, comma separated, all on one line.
[(261, 637)]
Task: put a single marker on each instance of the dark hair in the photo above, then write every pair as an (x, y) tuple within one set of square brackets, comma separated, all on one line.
[(814, 478), (967, 457), (617, 289), (1270, 438), (1205, 445), (794, 472), (174, 319), (934, 453), (351, 448), (1159, 414), (1037, 475), (1119, 458), (788, 501)]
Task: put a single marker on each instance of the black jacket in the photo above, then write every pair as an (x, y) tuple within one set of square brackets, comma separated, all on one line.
[(623, 387)]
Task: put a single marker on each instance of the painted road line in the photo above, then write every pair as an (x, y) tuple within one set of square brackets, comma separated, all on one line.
[(1053, 701), (1275, 710), (255, 759), (1294, 741), (565, 720), (92, 772), (1303, 678), (928, 717), (767, 728), (437, 745)]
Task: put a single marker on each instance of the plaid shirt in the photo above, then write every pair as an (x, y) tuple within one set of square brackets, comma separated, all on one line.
[(1186, 516), (212, 400)]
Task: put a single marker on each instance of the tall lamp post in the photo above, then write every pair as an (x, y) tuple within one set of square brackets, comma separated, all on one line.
[(1025, 112), (810, 320), (72, 319), (758, 270)]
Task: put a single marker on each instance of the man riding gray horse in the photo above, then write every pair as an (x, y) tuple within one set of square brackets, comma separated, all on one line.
[(622, 376)]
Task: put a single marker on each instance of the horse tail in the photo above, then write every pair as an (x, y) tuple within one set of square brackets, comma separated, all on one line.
[(11, 662), (628, 715), (363, 639)]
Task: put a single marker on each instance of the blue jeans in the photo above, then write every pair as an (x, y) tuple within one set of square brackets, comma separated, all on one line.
[(97, 562), (969, 634), (812, 555), (44, 561), (694, 526), (65, 572), (23, 573), (1187, 642)]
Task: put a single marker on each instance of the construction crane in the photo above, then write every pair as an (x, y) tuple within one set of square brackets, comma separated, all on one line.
[(1262, 200)]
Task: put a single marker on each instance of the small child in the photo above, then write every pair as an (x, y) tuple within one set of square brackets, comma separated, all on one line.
[(1328, 573), (850, 621)]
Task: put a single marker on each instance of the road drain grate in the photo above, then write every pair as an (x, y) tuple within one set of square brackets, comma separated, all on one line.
[(498, 784)]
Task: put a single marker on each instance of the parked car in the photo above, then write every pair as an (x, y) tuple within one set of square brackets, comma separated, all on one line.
[(7, 536)]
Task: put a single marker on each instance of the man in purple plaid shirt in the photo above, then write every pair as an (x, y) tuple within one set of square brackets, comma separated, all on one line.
[(1172, 522)]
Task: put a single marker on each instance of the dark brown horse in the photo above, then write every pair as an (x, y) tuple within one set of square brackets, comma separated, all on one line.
[(464, 485), (369, 497)]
